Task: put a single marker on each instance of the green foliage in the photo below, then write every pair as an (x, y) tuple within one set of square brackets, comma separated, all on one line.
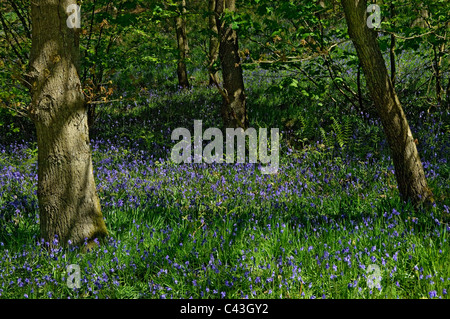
[(342, 131)]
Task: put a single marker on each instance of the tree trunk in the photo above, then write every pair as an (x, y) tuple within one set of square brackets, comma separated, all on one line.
[(421, 20), (409, 172), (213, 44), (448, 93), (234, 112), (448, 83), (68, 203), (437, 72), (180, 27)]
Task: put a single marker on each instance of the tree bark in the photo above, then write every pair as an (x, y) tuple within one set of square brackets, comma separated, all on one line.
[(213, 44), (409, 172), (234, 113), (183, 48), (68, 203)]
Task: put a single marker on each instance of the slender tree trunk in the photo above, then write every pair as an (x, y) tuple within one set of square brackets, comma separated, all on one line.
[(409, 172), (421, 20), (448, 83), (180, 27), (68, 203), (360, 96), (448, 93), (213, 44), (320, 16), (437, 73), (423, 23), (234, 111)]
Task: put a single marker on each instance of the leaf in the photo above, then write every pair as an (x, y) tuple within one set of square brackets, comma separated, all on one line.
[(339, 80), (294, 83)]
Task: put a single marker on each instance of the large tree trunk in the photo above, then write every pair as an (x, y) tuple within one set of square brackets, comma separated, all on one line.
[(68, 203), (234, 112), (213, 44), (409, 172), (180, 27)]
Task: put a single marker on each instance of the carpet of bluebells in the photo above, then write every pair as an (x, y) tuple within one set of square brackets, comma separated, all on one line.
[(227, 231)]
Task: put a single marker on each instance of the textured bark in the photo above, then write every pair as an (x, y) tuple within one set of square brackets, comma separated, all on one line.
[(180, 27), (68, 203), (213, 44), (409, 172), (234, 113)]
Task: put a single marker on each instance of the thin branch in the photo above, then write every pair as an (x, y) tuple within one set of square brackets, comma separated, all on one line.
[(412, 37), (311, 79), (21, 17), (5, 27)]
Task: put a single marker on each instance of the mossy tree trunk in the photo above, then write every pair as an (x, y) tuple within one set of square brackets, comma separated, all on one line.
[(69, 206), (409, 172), (234, 113)]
